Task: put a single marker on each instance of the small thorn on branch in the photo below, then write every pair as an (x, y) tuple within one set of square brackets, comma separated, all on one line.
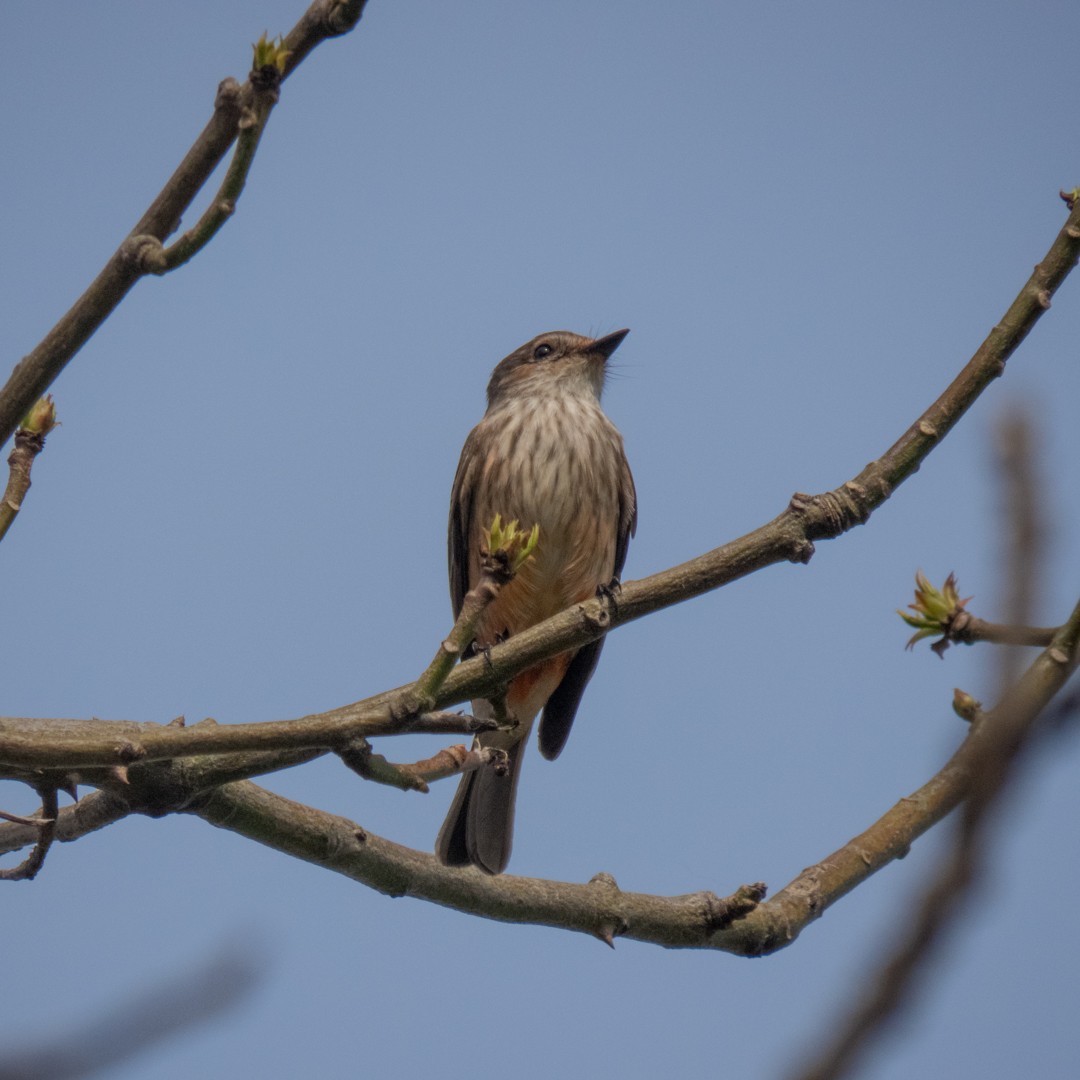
[(606, 933), (610, 927)]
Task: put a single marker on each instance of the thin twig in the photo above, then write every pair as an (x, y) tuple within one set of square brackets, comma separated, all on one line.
[(454, 760), (21, 819), (27, 870), (92, 812), (416, 776), (265, 81), (970, 630), (358, 756), (941, 611), (29, 442)]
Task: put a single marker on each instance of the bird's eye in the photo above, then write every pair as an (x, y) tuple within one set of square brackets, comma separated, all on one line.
[(542, 351)]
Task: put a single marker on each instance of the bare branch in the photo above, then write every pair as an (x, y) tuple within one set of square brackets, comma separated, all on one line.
[(340, 845), (357, 755), (83, 745), (973, 629), (696, 921), (451, 761), (265, 79), (22, 819), (46, 830)]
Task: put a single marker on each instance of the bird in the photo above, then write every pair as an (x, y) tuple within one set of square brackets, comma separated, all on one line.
[(546, 455)]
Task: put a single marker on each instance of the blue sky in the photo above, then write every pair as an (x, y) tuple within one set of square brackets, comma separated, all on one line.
[(809, 216)]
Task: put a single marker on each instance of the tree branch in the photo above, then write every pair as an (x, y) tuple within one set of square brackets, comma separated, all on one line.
[(337, 844), (28, 744), (450, 761), (600, 908), (739, 925), (789, 537), (71, 744), (972, 629)]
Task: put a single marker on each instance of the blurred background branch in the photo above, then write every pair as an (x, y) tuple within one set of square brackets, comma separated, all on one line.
[(1003, 738), (142, 1021)]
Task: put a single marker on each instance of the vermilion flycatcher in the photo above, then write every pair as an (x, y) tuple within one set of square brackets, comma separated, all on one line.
[(544, 454)]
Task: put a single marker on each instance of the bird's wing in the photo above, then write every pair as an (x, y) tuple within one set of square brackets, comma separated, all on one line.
[(461, 521), (627, 514)]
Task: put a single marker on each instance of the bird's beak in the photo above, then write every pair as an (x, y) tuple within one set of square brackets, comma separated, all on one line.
[(605, 346)]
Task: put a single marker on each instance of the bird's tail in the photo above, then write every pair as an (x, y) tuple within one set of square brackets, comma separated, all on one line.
[(479, 829)]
